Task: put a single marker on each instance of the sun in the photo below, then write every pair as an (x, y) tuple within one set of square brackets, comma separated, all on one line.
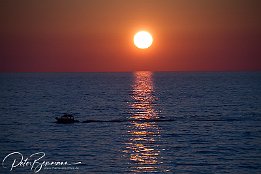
[(142, 39)]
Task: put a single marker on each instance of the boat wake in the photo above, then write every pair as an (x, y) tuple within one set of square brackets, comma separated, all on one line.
[(128, 120)]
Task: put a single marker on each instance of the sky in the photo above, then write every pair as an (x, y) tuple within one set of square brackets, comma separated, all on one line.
[(97, 35)]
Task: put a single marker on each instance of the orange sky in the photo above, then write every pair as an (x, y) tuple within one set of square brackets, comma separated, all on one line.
[(83, 36)]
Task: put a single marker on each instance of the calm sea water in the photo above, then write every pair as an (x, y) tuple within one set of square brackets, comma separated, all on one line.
[(141, 122)]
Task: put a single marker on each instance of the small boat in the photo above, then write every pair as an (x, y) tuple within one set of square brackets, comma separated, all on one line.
[(66, 118)]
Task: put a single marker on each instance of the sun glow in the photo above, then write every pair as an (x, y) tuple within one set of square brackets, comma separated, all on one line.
[(143, 39)]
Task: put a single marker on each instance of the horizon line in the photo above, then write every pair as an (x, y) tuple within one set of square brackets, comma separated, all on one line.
[(157, 71)]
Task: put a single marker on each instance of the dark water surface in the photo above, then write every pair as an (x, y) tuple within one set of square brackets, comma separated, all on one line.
[(140, 122)]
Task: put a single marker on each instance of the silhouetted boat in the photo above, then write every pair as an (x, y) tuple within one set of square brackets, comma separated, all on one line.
[(66, 118)]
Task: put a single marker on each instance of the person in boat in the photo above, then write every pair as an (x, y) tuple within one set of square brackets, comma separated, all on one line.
[(66, 118)]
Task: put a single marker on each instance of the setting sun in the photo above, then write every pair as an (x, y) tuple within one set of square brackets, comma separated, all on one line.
[(143, 39)]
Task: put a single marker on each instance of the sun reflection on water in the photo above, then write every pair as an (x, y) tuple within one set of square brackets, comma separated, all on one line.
[(143, 145)]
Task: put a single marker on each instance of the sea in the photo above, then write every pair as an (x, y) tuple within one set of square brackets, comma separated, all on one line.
[(133, 122)]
